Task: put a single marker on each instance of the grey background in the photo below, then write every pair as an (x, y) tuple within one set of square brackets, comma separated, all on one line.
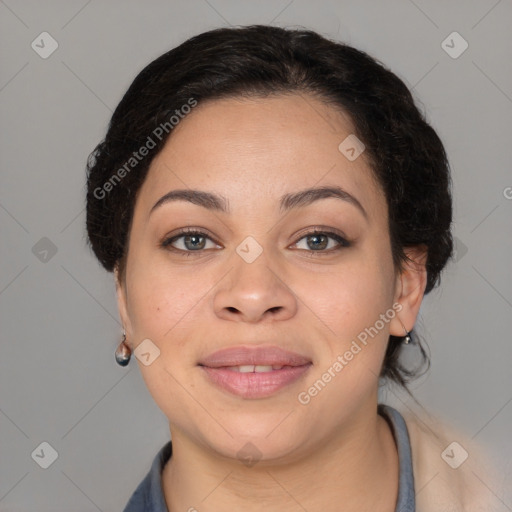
[(59, 382)]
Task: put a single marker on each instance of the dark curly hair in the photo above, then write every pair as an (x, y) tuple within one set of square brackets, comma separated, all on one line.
[(404, 152)]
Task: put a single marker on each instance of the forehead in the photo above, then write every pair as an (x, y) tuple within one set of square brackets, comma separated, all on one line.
[(249, 149)]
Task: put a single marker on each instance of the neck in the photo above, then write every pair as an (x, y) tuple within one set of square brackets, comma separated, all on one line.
[(357, 467)]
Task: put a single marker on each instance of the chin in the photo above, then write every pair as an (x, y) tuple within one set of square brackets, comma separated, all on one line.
[(252, 450), (265, 437)]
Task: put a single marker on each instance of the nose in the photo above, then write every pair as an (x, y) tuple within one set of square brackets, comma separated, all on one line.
[(254, 292)]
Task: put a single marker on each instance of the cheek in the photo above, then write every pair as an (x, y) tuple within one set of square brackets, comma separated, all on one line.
[(351, 298), (167, 303), (352, 342), (156, 305), (349, 304)]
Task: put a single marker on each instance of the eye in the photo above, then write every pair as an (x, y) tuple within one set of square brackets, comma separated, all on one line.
[(318, 241), (188, 241)]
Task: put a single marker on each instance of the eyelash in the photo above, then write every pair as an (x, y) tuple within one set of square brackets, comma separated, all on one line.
[(166, 243)]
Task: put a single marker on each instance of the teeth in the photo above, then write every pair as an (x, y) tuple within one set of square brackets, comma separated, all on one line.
[(249, 368), (263, 368)]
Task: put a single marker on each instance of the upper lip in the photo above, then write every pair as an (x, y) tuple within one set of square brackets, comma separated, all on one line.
[(257, 356)]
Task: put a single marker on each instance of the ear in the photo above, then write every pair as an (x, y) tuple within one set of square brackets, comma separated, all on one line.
[(410, 289), (122, 304)]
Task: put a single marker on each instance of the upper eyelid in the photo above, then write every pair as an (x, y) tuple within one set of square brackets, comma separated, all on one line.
[(315, 230)]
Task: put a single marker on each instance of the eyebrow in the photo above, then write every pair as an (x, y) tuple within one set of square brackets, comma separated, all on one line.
[(219, 203)]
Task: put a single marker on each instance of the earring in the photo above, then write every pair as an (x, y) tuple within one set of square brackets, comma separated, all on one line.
[(123, 352), (407, 338)]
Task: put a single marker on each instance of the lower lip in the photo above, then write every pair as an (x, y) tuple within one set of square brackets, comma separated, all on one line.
[(254, 385)]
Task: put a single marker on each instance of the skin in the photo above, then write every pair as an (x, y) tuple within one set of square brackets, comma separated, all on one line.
[(336, 449)]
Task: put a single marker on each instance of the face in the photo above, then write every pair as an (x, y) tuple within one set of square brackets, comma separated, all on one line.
[(262, 270)]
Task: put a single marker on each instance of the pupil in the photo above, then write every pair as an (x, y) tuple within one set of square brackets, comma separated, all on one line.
[(316, 237), (193, 238)]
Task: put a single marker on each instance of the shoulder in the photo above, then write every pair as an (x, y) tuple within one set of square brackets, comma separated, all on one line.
[(452, 473)]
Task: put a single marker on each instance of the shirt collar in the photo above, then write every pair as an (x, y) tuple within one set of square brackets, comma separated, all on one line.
[(406, 501)]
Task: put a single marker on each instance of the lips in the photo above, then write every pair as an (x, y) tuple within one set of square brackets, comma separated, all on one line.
[(255, 372), (253, 356)]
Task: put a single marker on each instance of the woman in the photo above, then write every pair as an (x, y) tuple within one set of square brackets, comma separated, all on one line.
[(274, 208)]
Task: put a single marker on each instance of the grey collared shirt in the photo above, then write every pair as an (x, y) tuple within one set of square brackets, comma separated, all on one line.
[(149, 496)]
